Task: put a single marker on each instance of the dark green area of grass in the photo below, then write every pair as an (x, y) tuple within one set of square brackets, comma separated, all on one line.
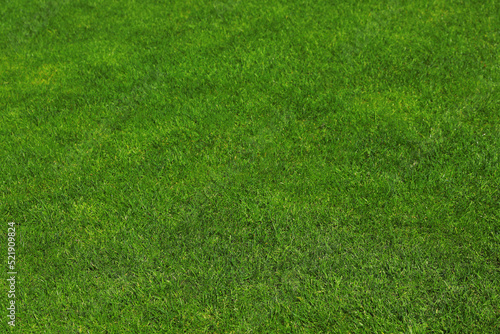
[(252, 166)]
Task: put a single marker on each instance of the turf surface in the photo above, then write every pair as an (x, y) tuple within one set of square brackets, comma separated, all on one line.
[(251, 166)]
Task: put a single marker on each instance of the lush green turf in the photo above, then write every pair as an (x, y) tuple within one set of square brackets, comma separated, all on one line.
[(252, 166)]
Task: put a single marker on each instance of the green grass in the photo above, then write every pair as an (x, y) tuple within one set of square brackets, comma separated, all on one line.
[(252, 166)]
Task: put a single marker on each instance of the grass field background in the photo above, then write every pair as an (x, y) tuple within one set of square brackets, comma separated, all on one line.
[(252, 166)]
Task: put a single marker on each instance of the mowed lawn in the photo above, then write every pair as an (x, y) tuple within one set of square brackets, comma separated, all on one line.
[(251, 166)]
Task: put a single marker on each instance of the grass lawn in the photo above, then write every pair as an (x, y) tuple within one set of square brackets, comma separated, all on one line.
[(251, 166)]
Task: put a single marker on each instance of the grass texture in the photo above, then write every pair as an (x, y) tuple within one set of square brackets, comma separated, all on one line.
[(251, 166)]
